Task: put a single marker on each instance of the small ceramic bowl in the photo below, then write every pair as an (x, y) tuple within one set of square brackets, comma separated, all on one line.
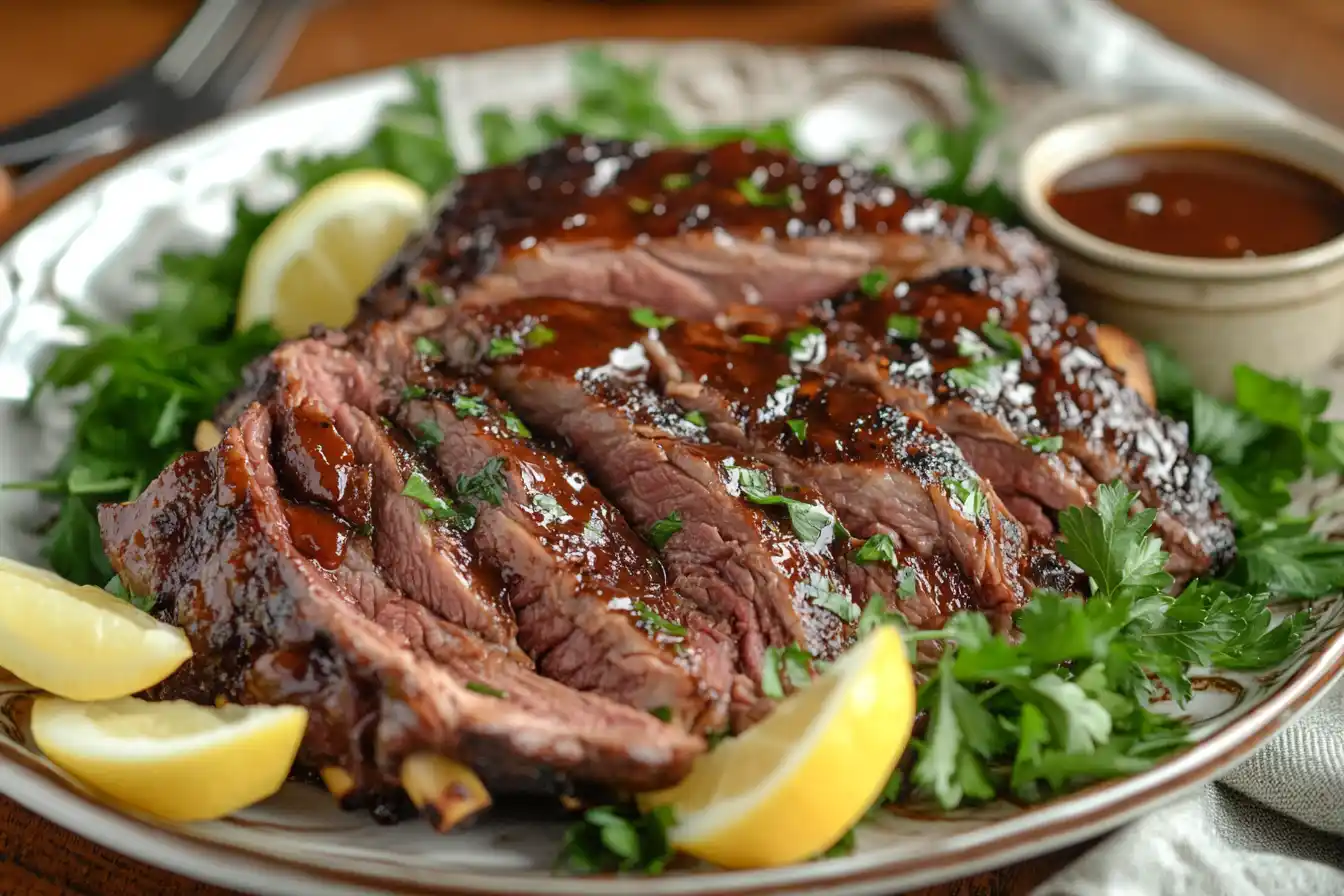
[(1283, 314)]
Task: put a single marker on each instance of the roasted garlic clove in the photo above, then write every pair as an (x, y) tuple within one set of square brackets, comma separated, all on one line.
[(447, 791)]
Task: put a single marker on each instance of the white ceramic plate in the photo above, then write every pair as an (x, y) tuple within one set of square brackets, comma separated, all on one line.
[(87, 249)]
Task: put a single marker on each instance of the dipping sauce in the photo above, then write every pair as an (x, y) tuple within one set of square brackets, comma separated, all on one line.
[(1200, 201)]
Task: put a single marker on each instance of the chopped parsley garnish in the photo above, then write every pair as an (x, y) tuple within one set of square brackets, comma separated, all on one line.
[(756, 338), (695, 418), (907, 581), (618, 838), (967, 497), (486, 485), (469, 406), (431, 292), (480, 688), (428, 434), (758, 197), (365, 529), (656, 623), (977, 375), (640, 205), (413, 392), (664, 529), (1044, 444), (676, 181), (879, 548), (515, 425), (792, 664), (787, 381), (650, 319), (550, 509), (903, 326), (502, 348), (436, 507), (428, 348), (662, 713), (821, 592), (1005, 343), (874, 282), (539, 335), (594, 531), (806, 345), (814, 525), (799, 429)]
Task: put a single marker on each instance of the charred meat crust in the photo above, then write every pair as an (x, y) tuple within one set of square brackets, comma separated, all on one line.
[(381, 676), (689, 231), (1060, 386)]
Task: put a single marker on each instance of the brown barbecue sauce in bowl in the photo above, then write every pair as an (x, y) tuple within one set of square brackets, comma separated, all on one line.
[(1216, 232), (1200, 201)]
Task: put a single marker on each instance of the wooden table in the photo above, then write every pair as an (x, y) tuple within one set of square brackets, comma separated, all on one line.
[(46, 57)]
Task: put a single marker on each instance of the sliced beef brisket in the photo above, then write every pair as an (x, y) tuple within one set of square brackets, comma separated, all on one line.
[(273, 621), (582, 586), (1033, 404), (691, 232)]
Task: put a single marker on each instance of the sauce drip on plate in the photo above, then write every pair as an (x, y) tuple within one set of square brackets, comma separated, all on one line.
[(1200, 201)]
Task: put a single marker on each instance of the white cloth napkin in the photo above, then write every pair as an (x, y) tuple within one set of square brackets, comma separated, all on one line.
[(1275, 824)]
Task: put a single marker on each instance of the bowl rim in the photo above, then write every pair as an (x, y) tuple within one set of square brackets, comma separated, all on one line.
[(1155, 124)]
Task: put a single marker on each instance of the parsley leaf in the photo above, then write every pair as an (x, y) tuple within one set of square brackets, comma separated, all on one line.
[(814, 525), (428, 433), (617, 838), (650, 319), (502, 348), (656, 623), (469, 406), (903, 327), (874, 282), (664, 529), (550, 509), (485, 485), (878, 548), (799, 429), (428, 348), (1044, 444), (539, 335), (436, 506), (485, 689), (695, 418), (756, 338), (792, 664), (514, 425)]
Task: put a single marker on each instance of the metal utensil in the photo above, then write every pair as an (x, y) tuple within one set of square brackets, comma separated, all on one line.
[(223, 57)]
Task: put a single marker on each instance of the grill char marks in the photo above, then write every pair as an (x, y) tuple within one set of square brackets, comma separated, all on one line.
[(690, 231), (581, 584), (740, 563), (381, 676), (592, 603), (1060, 387)]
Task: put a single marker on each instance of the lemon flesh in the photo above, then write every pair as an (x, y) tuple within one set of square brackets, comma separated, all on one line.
[(790, 787), (314, 260), (177, 760), (78, 641)]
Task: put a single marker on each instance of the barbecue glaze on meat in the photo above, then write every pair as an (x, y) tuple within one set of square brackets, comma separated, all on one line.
[(508, 519)]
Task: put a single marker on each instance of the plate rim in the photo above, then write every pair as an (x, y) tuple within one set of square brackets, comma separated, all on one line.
[(1060, 822)]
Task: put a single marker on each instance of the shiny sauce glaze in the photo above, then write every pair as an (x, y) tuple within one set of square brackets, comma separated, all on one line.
[(602, 349), (574, 521), (1200, 201), (318, 465), (317, 533), (620, 193)]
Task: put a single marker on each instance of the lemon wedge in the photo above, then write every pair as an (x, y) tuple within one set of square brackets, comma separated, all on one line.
[(790, 787), (78, 641), (174, 759), (311, 264)]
